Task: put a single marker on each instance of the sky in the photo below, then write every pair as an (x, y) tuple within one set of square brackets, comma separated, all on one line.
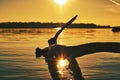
[(100, 12)]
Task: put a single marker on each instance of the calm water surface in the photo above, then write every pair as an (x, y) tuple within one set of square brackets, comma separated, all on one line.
[(17, 58)]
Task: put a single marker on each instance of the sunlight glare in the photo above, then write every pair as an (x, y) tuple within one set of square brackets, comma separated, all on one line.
[(62, 63), (58, 28), (60, 2)]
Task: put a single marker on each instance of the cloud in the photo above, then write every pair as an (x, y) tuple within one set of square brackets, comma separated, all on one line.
[(115, 2)]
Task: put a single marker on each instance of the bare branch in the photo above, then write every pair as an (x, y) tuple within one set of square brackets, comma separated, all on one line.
[(54, 39)]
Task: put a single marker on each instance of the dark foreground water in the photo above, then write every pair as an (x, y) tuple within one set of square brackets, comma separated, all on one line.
[(18, 62)]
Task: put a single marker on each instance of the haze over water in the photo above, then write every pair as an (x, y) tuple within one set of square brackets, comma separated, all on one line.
[(17, 53)]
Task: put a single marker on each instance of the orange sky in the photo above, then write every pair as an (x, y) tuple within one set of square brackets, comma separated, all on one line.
[(101, 12)]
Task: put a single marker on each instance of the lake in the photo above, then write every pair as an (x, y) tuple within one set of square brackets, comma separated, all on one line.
[(17, 53)]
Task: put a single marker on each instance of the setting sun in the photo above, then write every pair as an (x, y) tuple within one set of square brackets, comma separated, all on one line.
[(60, 2)]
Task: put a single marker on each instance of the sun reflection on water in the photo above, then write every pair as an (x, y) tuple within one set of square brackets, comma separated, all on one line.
[(58, 28)]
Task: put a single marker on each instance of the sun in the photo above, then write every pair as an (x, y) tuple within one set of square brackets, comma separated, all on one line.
[(61, 2)]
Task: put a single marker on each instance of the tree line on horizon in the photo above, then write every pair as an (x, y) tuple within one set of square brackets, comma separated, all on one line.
[(49, 25)]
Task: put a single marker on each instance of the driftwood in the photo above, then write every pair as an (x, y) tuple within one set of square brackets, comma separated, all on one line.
[(91, 48), (71, 52)]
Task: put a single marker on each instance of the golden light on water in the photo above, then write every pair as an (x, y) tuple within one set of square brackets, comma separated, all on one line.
[(61, 2), (58, 28)]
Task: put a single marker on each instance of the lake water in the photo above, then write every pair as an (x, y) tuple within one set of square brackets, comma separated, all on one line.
[(17, 53)]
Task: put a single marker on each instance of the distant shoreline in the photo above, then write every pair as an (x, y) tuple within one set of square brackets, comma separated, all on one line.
[(49, 25)]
